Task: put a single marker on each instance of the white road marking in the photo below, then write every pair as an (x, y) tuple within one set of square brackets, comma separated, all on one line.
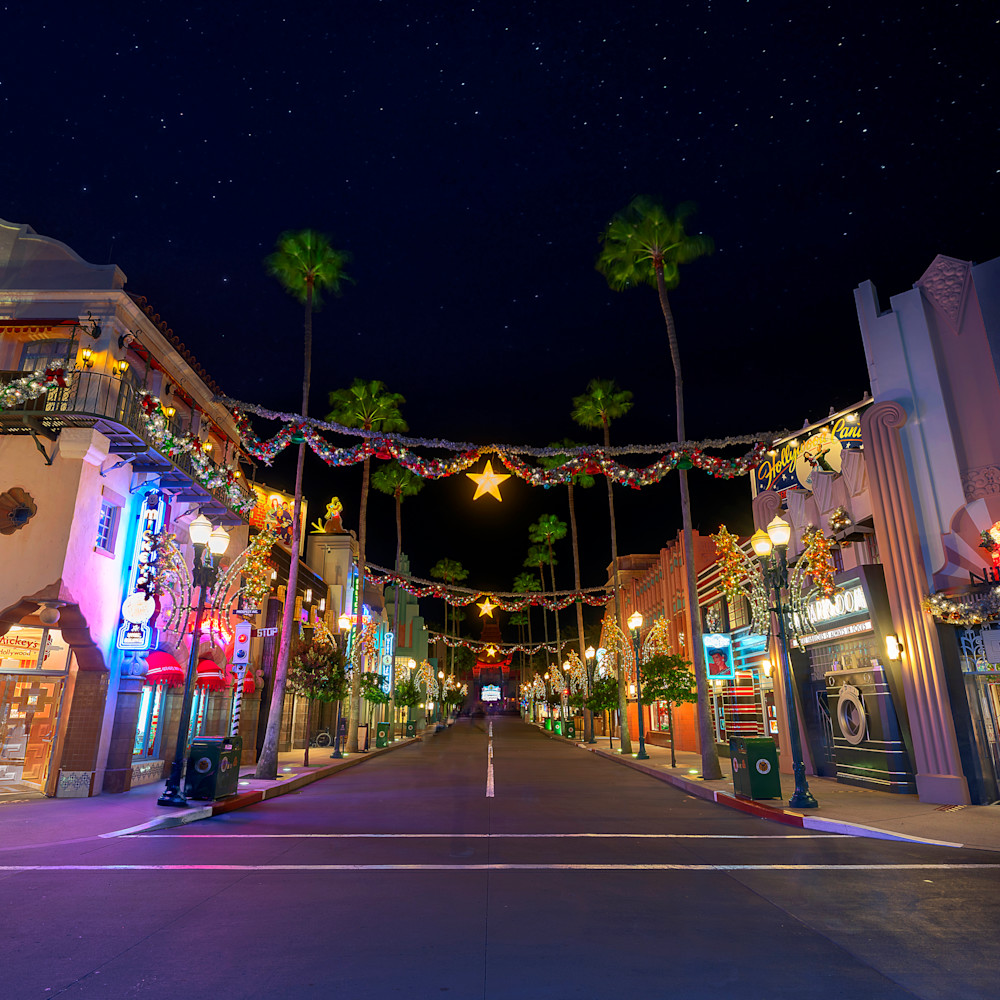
[(499, 867), (495, 836), (489, 764)]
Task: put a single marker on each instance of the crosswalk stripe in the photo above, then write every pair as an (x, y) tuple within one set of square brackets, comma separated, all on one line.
[(493, 866)]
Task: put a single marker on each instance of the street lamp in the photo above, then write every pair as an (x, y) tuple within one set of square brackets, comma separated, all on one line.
[(204, 575), (775, 572), (346, 623), (441, 702), (635, 623), (589, 654)]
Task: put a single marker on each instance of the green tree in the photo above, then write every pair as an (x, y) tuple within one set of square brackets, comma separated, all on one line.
[(317, 672), (604, 698), (399, 483), (646, 245), (406, 694), (668, 677), (603, 402), (370, 406), (306, 266), (450, 572)]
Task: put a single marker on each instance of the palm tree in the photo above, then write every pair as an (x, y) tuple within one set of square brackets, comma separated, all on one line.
[(536, 558), (584, 481), (645, 245), (398, 483), (451, 571), (603, 402), (306, 265), (526, 583), (370, 406), (546, 530)]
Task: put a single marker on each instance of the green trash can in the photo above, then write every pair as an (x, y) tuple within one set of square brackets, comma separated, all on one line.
[(755, 767), (557, 726), (213, 767), (570, 733), (548, 724), (381, 734), (411, 729)]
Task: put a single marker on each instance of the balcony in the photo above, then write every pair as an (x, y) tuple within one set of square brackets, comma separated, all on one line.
[(113, 407)]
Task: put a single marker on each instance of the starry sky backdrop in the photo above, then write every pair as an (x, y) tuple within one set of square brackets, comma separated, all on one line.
[(468, 155)]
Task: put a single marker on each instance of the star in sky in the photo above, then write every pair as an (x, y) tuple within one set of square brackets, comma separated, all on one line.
[(487, 481)]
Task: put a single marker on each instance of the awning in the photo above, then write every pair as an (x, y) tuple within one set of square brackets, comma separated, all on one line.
[(163, 669), (210, 675)]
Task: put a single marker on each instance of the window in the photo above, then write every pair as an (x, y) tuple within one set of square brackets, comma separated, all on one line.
[(147, 730), (107, 527), (41, 354), (739, 613)]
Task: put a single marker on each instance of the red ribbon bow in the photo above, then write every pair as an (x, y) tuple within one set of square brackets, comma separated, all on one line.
[(57, 375)]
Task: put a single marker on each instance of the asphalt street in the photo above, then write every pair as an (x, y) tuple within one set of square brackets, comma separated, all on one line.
[(491, 861)]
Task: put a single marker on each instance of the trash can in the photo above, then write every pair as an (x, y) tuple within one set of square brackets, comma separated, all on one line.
[(381, 734), (755, 767), (557, 726), (570, 733), (411, 729), (548, 724), (213, 767), (363, 738)]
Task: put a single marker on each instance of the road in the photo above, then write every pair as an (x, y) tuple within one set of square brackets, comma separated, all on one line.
[(551, 874)]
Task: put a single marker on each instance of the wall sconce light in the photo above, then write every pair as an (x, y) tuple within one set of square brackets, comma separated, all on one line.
[(86, 356), (94, 329), (893, 647), (170, 411), (121, 368), (766, 667)]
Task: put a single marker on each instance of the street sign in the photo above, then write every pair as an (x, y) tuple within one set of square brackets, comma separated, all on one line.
[(265, 633), (248, 612), (241, 644)]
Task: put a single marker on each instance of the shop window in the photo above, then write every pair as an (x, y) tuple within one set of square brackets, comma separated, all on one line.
[(107, 528), (147, 731)]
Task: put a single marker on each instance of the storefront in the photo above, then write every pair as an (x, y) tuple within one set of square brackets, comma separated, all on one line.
[(741, 686), (36, 666), (851, 694)]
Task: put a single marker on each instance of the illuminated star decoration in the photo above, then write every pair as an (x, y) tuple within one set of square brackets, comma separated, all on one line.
[(491, 651), (487, 481), (486, 608)]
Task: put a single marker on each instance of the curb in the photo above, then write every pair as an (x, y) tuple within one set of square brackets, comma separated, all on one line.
[(244, 799), (776, 814)]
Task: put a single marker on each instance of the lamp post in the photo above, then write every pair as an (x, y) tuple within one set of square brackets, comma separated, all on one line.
[(346, 623), (775, 572), (635, 623), (589, 654), (441, 700), (204, 575)]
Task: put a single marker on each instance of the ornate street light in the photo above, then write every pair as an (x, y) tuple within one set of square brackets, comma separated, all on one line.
[(635, 623), (204, 575), (774, 569), (589, 654), (346, 623)]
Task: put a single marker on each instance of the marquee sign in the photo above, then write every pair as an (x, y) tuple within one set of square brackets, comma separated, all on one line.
[(491, 692), (792, 463)]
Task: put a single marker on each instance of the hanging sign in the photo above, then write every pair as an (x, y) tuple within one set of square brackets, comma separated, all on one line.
[(718, 656)]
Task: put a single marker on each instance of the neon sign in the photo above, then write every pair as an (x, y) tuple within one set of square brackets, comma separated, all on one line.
[(135, 633)]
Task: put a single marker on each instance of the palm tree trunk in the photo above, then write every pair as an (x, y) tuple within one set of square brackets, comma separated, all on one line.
[(588, 716), (267, 763), (710, 769), (626, 742), (395, 620), (555, 615), (545, 620), (352, 729)]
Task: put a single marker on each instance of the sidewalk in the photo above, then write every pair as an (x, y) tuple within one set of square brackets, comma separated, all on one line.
[(859, 812), (41, 822)]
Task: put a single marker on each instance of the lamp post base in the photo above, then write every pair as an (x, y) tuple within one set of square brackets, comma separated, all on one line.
[(803, 799), (642, 755), (172, 797)]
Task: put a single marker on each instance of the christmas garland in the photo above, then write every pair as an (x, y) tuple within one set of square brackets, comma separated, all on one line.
[(206, 472), (31, 386), (505, 600), (970, 610), (501, 647), (592, 461)]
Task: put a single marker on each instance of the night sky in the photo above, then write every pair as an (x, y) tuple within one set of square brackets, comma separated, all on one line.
[(468, 156)]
